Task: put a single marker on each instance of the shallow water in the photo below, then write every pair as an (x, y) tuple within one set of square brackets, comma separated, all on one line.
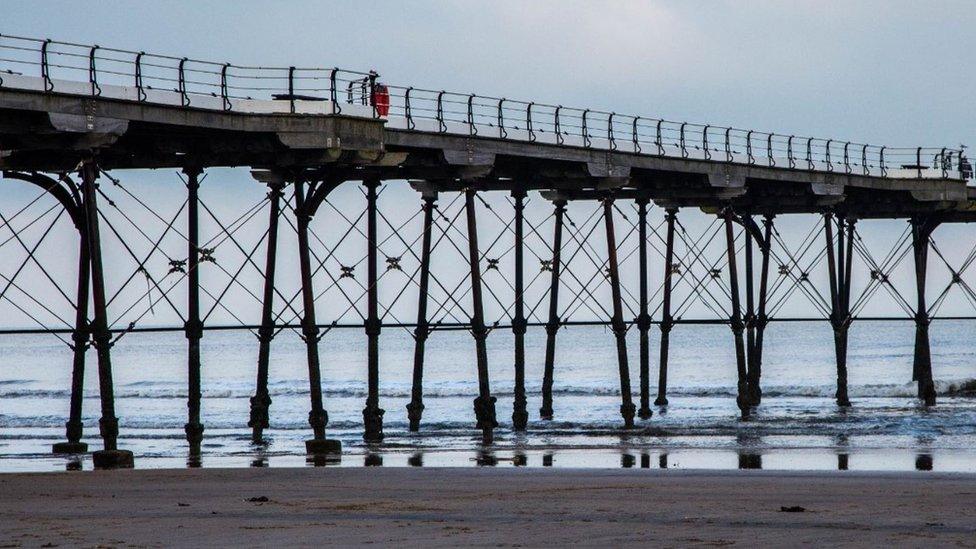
[(796, 427)]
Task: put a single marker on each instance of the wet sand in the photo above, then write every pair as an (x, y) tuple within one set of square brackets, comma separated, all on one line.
[(484, 506)]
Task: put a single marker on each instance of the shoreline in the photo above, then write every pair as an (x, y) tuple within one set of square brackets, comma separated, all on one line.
[(485, 506)]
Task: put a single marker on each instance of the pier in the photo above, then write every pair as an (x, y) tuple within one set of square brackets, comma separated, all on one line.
[(76, 120)]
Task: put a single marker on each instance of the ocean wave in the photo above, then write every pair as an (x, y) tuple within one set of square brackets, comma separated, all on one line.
[(172, 390)]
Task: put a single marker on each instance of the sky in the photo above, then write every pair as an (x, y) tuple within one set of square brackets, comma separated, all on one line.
[(894, 73), (889, 72)]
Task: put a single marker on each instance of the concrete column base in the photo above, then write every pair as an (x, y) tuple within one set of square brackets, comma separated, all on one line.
[(113, 459), (69, 448)]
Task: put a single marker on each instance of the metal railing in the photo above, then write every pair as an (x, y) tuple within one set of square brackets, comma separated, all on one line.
[(207, 84)]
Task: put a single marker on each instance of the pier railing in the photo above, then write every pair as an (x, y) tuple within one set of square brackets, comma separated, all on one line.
[(63, 67)]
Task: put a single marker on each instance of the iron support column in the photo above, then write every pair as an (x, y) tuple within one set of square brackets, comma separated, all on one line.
[(520, 415), (372, 413), (839, 263), (627, 407), (735, 320), (108, 425), (552, 325), (922, 364), (415, 408), (643, 320), (755, 354), (193, 327), (667, 322), (261, 400), (484, 405), (317, 417), (749, 319), (79, 338)]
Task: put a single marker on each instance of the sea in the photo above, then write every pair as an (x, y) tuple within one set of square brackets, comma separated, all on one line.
[(797, 426)]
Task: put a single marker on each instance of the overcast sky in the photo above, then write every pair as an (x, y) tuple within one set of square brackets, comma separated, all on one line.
[(887, 72), (894, 73)]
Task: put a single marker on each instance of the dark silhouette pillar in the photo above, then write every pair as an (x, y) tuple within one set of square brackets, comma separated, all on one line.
[(627, 408), (552, 325), (643, 320), (372, 413), (317, 417), (735, 319), (520, 416), (922, 364), (415, 408), (839, 263), (79, 338), (759, 319), (484, 405), (193, 327), (667, 322), (110, 456), (261, 401)]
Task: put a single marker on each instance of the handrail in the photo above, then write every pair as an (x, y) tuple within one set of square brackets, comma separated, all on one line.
[(61, 62)]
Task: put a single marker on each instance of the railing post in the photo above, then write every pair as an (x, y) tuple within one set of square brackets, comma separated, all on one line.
[(108, 425)]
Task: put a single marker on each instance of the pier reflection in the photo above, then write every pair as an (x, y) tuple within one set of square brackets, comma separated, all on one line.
[(749, 455)]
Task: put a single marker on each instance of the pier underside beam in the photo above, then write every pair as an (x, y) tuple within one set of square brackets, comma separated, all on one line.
[(415, 408), (552, 325), (627, 408), (484, 404), (261, 401)]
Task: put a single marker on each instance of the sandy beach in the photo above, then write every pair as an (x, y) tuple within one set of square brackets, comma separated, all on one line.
[(483, 506)]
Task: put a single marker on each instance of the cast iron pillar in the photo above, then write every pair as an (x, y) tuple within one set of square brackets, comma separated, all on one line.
[(667, 322), (484, 405), (317, 417), (261, 401), (627, 408), (735, 319), (415, 408), (552, 325), (108, 425), (520, 416), (839, 263), (79, 338), (922, 365), (193, 327), (759, 320), (643, 320), (372, 413)]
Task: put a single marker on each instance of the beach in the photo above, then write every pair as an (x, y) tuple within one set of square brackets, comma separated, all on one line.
[(484, 507)]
